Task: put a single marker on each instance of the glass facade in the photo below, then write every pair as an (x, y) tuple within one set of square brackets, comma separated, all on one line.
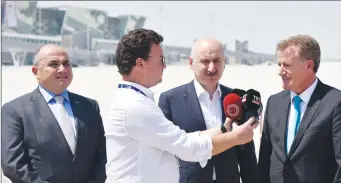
[(112, 30), (18, 16), (93, 21), (85, 33), (130, 22), (26, 18), (48, 21)]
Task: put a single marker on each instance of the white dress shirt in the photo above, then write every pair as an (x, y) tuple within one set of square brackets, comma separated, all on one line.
[(305, 96), (49, 98), (142, 143), (211, 109)]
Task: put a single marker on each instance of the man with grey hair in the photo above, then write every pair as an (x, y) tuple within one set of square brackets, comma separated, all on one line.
[(301, 137), (142, 144), (52, 135), (197, 105)]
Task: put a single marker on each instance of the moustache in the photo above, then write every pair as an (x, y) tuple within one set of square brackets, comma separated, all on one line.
[(208, 73)]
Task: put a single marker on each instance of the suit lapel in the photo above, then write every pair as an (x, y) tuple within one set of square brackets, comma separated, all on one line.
[(312, 107), (76, 109), (283, 112), (46, 114), (192, 101)]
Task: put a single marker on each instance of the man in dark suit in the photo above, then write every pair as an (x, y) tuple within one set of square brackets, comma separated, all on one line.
[(52, 135), (301, 138), (198, 106)]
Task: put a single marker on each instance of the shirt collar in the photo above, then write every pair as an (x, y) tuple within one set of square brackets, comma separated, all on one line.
[(201, 91), (48, 95), (145, 90), (306, 94)]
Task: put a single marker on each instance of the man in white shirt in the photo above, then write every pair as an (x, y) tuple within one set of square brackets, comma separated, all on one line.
[(198, 105), (142, 145), (301, 137)]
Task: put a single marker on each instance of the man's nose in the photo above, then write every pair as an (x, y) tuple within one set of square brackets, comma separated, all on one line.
[(61, 68), (211, 67), (281, 70)]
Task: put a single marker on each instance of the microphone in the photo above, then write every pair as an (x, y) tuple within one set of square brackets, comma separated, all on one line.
[(233, 106), (252, 104), (239, 92)]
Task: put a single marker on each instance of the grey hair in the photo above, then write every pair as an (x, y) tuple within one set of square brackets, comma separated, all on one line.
[(196, 45), (194, 50)]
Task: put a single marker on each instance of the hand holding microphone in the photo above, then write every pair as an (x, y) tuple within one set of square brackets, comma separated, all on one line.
[(233, 109), (240, 105), (244, 133)]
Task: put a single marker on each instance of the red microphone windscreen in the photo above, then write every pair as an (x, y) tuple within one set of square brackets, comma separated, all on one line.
[(233, 106)]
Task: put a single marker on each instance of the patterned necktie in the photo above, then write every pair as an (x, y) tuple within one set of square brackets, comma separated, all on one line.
[(294, 124), (65, 123)]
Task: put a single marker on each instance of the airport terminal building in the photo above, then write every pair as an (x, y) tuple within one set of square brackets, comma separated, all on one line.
[(89, 36), (86, 34)]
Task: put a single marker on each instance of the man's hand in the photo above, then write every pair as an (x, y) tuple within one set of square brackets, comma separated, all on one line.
[(244, 133), (228, 124), (239, 135)]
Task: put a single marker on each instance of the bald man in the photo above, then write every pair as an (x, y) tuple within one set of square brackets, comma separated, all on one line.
[(197, 105), (50, 134)]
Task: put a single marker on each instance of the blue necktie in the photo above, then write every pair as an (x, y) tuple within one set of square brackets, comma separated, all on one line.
[(297, 116)]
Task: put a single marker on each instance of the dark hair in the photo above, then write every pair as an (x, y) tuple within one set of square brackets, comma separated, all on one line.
[(309, 48), (136, 44)]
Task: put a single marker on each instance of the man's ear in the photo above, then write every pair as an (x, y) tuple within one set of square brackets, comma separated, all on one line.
[(311, 64), (139, 63), (190, 62), (35, 71)]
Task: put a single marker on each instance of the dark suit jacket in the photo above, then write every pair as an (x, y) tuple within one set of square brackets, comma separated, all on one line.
[(315, 155), (34, 149), (181, 105)]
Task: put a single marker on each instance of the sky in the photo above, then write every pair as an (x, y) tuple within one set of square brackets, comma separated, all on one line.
[(263, 24)]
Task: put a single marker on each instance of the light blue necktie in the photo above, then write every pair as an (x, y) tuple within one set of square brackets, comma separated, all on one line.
[(297, 114)]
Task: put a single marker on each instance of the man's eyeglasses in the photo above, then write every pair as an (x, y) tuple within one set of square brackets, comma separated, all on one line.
[(162, 59)]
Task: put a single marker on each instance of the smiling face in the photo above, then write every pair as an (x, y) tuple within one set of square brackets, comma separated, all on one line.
[(207, 62), (53, 69), (294, 71), (298, 60)]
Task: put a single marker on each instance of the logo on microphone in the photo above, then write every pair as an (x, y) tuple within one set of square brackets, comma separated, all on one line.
[(232, 110), (244, 98), (256, 100)]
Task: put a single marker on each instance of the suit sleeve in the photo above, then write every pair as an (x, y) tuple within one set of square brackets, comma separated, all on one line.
[(15, 162), (98, 174), (263, 167), (164, 106), (247, 162), (336, 133)]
